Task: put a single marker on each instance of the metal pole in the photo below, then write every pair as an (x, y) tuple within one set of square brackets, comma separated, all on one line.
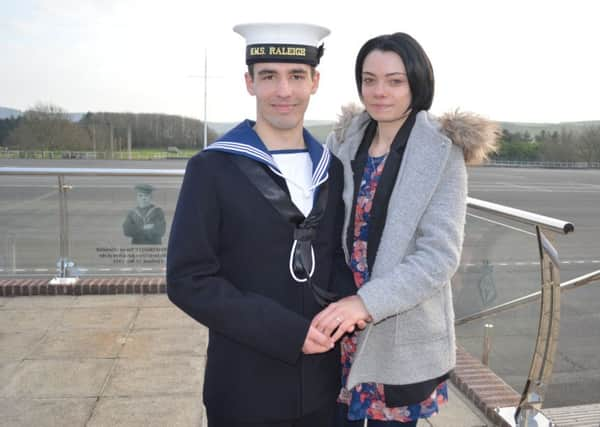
[(129, 142), (112, 141), (64, 264), (62, 270), (94, 136), (12, 252), (205, 97), (487, 343), (500, 308), (542, 362)]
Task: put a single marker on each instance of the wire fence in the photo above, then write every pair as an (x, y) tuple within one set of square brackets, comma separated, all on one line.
[(548, 165), (94, 155), (185, 154)]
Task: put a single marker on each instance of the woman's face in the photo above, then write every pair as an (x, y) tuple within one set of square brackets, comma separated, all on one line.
[(385, 90)]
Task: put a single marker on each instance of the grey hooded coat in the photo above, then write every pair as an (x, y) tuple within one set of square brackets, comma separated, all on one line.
[(408, 295)]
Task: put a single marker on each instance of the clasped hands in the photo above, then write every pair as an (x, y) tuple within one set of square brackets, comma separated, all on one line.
[(337, 319)]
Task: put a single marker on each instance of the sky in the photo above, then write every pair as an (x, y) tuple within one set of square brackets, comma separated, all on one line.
[(511, 60)]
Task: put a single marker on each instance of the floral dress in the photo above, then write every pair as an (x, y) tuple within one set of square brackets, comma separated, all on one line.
[(367, 400)]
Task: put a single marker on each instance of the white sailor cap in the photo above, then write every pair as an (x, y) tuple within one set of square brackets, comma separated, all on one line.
[(283, 42)]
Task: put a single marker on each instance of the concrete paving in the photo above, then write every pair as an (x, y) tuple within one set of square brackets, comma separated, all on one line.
[(124, 360)]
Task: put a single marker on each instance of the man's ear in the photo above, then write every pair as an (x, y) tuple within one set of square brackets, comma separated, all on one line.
[(315, 80), (249, 83)]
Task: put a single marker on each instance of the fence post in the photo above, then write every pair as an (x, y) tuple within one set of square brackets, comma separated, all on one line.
[(487, 343), (12, 252), (66, 267)]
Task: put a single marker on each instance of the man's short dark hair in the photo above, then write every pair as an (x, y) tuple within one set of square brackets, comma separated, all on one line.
[(418, 67)]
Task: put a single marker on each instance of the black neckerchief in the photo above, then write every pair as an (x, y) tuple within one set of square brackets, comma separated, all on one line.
[(384, 187), (302, 262)]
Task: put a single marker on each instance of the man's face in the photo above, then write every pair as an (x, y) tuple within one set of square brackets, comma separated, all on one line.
[(282, 93), (143, 199)]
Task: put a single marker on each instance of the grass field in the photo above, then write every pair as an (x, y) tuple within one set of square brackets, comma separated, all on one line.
[(137, 154)]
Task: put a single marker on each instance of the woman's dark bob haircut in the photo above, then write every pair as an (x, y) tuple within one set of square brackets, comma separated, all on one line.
[(418, 68)]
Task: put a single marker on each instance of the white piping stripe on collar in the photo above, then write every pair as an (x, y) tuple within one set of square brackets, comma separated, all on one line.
[(320, 173), (245, 148), (321, 168), (321, 181)]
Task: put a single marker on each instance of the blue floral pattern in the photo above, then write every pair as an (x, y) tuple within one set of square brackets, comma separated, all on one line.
[(367, 400)]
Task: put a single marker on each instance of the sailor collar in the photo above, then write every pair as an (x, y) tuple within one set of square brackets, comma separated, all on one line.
[(242, 140)]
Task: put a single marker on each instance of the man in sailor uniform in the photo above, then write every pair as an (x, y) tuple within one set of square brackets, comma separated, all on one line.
[(254, 250), (145, 224)]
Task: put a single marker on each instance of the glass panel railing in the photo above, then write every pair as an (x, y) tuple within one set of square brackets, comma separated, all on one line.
[(500, 262), (120, 225), (576, 376), (513, 338), (72, 224), (29, 225), (514, 282)]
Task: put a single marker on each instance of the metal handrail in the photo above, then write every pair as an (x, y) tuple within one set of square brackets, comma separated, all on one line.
[(522, 216), (514, 214), (568, 285)]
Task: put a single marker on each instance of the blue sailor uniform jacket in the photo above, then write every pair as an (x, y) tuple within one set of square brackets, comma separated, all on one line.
[(228, 268)]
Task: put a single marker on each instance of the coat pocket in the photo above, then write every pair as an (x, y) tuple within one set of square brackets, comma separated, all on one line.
[(425, 322)]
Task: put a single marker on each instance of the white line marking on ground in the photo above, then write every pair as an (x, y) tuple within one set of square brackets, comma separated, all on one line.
[(501, 224), (25, 203), (526, 264), (469, 265)]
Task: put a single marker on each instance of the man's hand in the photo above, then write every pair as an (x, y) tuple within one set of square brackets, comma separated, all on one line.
[(316, 342)]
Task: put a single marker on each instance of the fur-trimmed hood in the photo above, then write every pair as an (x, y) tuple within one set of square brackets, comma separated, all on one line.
[(476, 135)]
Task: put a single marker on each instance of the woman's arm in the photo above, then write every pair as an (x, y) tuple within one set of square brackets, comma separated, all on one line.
[(438, 245), (439, 237)]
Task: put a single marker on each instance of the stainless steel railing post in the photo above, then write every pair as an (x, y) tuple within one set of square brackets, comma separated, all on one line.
[(487, 343), (11, 242), (65, 264), (542, 362)]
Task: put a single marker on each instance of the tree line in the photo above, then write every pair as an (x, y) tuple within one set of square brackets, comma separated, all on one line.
[(47, 127), (568, 144)]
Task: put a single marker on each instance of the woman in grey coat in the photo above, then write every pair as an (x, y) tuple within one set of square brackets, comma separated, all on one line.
[(405, 189)]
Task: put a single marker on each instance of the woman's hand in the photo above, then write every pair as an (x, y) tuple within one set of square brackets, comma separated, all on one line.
[(342, 316), (316, 342)]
